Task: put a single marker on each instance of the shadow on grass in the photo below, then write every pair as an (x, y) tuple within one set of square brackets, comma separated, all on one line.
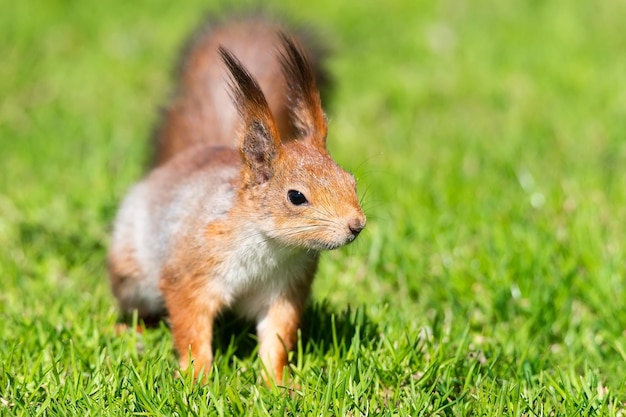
[(323, 330)]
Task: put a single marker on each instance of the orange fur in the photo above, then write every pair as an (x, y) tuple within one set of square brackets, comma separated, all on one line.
[(239, 225)]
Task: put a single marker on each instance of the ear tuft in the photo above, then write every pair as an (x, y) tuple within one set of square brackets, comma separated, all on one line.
[(260, 141), (305, 100)]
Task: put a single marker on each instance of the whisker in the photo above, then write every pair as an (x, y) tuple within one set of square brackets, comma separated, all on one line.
[(321, 220), (264, 236), (325, 213), (362, 198)]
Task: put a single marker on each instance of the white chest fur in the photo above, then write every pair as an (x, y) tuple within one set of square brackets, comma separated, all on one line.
[(258, 270)]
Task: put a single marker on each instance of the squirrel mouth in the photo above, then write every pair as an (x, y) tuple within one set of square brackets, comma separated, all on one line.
[(331, 245)]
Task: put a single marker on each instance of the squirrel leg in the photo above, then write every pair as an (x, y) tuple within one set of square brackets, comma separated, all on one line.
[(277, 331), (192, 313)]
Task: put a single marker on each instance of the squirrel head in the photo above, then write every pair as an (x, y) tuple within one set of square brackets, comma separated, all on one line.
[(304, 199)]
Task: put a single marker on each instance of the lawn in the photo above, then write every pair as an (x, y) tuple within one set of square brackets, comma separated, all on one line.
[(489, 142)]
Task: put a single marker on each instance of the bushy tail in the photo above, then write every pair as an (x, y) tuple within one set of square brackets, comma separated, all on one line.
[(201, 111)]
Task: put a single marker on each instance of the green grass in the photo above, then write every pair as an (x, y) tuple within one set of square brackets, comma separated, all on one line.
[(488, 141)]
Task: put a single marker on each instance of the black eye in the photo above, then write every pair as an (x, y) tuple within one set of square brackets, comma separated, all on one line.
[(296, 197)]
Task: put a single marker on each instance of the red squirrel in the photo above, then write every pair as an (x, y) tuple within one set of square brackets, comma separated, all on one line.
[(235, 220)]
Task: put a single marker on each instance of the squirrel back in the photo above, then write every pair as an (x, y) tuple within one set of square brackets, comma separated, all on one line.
[(201, 111)]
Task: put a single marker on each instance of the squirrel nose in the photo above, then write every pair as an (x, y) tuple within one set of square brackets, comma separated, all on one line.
[(356, 225)]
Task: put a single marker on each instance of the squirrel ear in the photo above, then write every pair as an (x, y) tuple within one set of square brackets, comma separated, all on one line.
[(260, 143), (259, 150), (306, 106)]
